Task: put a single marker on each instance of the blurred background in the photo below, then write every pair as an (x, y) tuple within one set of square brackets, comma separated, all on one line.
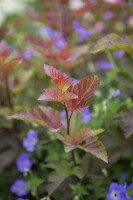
[(79, 37)]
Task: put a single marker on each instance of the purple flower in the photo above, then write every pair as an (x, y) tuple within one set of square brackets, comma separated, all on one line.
[(75, 81), (104, 65), (63, 116), (24, 162), (82, 32), (123, 176), (108, 15), (117, 93), (118, 53), (29, 53), (31, 140), (60, 42), (117, 192), (86, 116), (99, 26), (19, 188), (48, 33)]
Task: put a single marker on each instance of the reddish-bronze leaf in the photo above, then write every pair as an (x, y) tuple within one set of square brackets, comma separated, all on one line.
[(88, 142), (6, 68), (39, 42), (59, 78), (84, 90), (64, 54), (56, 95), (44, 116)]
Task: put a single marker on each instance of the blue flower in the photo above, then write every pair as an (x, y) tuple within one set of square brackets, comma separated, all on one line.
[(48, 33), (108, 15), (123, 176), (29, 53), (118, 53), (19, 187), (86, 116), (104, 65), (82, 32), (63, 116), (24, 162), (60, 42), (117, 192), (31, 140), (117, 93)]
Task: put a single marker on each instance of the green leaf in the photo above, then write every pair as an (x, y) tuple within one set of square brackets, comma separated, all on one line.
[(126, 117), (97, 132), (34, 182), (130, 192), (62, 170), (112, 42), (88, 142)]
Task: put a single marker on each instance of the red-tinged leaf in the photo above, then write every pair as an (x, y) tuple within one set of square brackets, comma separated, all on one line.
[(6, 68), (64, 54), (87, 141), (56, 95), (41, 43), (55, 74), (84, 90), (95, 147), (59, 78), (71, 142), (45, 52), (44, 116)]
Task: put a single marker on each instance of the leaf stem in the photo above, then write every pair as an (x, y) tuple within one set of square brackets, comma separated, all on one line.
[(68, 131), (67, 118), (70, 116), (11, 106), (73, 158)]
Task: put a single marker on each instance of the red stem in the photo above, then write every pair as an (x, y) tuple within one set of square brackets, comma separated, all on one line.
[(68, 131)]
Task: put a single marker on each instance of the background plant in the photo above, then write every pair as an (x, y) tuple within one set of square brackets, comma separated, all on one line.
[(68, 41)]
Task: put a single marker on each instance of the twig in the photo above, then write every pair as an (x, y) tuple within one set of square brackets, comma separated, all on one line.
[(73, 158), (68, 131)]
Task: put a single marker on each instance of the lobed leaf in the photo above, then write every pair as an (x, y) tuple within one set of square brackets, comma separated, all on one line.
[(112, 42), (59, 78), (44, 116), (126, 117), (95, 147), (56, 95), (87, 141), (84, 90), (6, 68), (97, 132)]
